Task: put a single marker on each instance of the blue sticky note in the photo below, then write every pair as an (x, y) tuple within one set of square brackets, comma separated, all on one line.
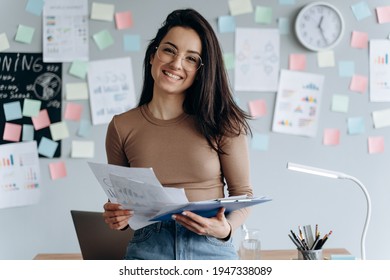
[(131, 43), (287, 2), (284, 26), (12, 111), (35, 7), (346, 68), (226, 24), (260, 142), (47, 147), (342, 257), (28, 132), (84, 128), (361, 10), (356, 125)]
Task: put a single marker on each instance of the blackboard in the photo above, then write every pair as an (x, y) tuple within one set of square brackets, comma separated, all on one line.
[(26, 76)]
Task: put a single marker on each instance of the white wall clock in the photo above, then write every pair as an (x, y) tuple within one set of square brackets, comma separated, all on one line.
[(319, 26)]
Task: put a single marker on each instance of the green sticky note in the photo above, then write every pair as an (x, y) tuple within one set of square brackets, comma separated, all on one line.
[(103, 39), (263, 15), (79, 69), (31, 107), (340, 103), (24, 34), (228, 58)]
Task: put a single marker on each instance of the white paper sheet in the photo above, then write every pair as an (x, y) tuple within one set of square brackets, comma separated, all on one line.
[(380, 70), (65, 31)]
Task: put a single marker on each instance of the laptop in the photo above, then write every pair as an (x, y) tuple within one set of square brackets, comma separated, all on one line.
[(97, 241)]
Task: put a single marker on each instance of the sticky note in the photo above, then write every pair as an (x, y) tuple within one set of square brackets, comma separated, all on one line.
[(361, 10), (263, 14), (228, 59), (326, 58), (103, 39), (342, 257), (297, 61), (123, 20), (59, 131), (24, 34), (12, 111), (383, 14), (284, 26), (4, 43), (331, 137), (47, 147), (131, 43), (76, 91), (359, 83), (73, 111), (257, 108), (101, 11), (359, 40), (82, 149), (376, 144), (28, 132), (240, 7), (260, 142), (346, 68), (12, 132), (84, 128), (35, 7), (226, 24), (57, 170), (356, 125), (381, 118), (340, 103), (79, 69), (31, 107), (41, 121)]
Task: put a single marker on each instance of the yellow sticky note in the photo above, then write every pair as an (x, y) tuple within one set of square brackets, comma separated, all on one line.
[(59, 131), (76, 91), (83, 149), (4, 44), (101, 11), (326, 59), (239, 7)]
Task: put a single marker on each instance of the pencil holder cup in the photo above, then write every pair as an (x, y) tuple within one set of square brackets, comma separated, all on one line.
[(250, 245), (310, 255)]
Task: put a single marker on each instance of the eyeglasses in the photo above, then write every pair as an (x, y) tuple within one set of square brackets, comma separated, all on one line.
[(190, 61)]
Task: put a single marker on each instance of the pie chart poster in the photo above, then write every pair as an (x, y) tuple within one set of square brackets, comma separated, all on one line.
[(24, 76)]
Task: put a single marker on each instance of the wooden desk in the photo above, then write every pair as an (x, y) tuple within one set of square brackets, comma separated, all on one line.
[(265, 255)]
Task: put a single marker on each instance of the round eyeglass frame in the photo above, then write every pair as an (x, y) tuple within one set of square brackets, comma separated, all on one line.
[(173, 58)]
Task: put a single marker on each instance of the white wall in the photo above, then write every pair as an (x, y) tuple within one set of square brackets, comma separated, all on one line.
[(298, 199)]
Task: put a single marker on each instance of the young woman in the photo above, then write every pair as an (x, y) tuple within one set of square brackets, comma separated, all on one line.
[(188, 128)]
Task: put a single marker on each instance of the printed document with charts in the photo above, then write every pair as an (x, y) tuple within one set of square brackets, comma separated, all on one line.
[(139, 189)]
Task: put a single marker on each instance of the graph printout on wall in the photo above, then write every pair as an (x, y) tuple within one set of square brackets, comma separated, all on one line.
[(30, 98), (298, 102), (380, 70), (19, 174)]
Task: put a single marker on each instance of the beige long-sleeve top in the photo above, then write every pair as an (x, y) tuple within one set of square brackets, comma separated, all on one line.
[(180, 156)]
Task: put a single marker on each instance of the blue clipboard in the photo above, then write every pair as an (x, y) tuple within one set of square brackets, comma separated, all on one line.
[(210, 208)]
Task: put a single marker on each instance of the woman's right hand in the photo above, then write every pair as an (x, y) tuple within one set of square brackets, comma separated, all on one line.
[(115, 216)]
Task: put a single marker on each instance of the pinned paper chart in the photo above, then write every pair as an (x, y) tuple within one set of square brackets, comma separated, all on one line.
[(19, 174), (380, 70)]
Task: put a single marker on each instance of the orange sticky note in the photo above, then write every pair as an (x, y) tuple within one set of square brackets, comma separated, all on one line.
[(257, 108), (42, 120), (12, 132), (359, 40), (331, 137), (297, 61), (376, 144), (383, 14), (123, 20), (73, 111), (57, 170), (359, 83)]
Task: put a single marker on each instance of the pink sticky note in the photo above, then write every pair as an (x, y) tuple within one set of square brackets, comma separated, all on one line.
[(331, 136), (42, 120), (123, 20), (359, 40), (376, 144), (297, 61), (383, 14), (57, 170), (257, 108), (359, 83), (12, 132), (73, 111)]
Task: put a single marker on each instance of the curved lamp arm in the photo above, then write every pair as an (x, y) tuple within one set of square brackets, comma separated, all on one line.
[(339, 175)]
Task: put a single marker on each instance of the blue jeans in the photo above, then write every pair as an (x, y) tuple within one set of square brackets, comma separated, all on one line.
[(171, 241)]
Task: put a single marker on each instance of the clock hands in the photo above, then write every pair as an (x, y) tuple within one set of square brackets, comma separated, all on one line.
[(322, 30)]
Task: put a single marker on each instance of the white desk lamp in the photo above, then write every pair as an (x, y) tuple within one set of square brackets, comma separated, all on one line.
[(338, 175)]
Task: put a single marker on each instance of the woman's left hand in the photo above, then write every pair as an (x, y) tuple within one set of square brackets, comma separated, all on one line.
[(216, 226)]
